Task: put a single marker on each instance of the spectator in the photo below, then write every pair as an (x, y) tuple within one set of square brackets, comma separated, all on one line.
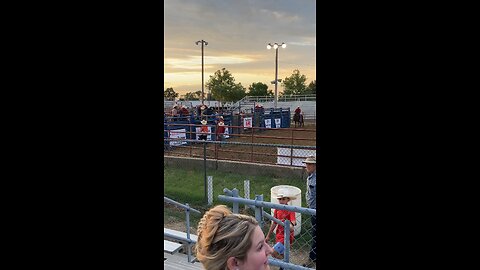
[(209, 111), (282, 215), (201, 110), (231, 241), (220, 130), (185, 111), (311, 168), (174, 112), (203, 130)]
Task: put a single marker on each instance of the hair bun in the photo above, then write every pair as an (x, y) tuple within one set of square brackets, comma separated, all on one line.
[(208, 226)]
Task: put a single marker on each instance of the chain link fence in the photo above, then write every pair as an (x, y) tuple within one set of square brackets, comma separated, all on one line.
[(300, 250), (260, 153)]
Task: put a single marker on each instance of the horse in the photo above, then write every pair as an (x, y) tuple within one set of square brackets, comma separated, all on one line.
[(298, 118)]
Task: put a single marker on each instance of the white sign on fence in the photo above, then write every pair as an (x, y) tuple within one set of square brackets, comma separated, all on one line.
[(268, 123), (177, 134), (247, 122), (278, 122), (226, 133), (299, 155), (209, 136)]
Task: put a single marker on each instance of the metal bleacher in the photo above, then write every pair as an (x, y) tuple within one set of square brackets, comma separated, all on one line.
[(173, 259), (177, 245), (171, 247), (179, 261)]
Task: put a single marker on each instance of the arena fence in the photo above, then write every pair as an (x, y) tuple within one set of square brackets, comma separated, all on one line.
[(243, 151)]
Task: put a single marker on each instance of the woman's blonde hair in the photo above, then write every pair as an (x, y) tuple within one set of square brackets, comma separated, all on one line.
[(222, 235)]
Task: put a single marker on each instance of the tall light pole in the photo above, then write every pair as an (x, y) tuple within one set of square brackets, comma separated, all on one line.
[(206, 43), (275, 46)]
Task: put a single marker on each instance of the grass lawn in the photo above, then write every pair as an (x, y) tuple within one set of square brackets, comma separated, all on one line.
[(187, 186)]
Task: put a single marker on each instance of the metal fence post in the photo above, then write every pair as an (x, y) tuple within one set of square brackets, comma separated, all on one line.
[(251, 155), (287, 240), (246, 190), (187, 214), (235, 204), (205, 169), (258, 211)]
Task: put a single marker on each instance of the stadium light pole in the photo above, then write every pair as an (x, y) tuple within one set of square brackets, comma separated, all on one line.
[(206, 43), (275, 46)]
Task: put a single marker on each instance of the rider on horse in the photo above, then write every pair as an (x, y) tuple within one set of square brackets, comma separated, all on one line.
[(298, 117), (298, 110)]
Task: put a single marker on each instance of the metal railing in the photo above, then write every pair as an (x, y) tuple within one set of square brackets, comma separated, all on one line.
[(280, 98), (286, 146), (189, 241), (258, 153)]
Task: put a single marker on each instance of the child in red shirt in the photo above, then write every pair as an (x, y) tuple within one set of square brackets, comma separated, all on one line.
[(203, 130), (282, 215), (219, 132)]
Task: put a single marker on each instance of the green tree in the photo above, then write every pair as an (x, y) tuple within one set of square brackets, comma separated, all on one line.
[(236, 93), (259, 89), (198, 94), (189, 96), (312, 88), (295, 84), (223, 88), (193, 95), (170, 94)]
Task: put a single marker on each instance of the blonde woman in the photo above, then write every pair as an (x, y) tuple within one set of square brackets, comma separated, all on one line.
[(229, 241)]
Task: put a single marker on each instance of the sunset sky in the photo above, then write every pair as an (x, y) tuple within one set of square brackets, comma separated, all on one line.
[(237, 32)]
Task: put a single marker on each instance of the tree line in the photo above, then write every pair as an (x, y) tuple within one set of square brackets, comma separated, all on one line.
[(223, 88)]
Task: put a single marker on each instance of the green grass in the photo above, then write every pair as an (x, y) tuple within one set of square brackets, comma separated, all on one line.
[(187, 186)]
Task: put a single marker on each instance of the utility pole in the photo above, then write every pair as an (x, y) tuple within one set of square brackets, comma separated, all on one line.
[(206, 43)]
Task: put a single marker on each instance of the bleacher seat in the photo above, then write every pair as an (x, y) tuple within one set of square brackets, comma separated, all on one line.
[(171, 247)]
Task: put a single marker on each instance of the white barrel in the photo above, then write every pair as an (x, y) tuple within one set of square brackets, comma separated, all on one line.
[(297, 201)]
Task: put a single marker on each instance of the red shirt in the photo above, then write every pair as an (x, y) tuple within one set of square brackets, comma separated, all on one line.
[(220, 129), (283, 215)]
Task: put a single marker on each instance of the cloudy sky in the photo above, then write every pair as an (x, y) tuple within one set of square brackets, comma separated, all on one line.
[(237, 32)]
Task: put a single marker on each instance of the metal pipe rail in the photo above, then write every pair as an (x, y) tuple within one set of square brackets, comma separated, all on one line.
[(179, 238), (242, 143), (312, 212), (186, 207), (284, 265), (270, 217), (285, 98)]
